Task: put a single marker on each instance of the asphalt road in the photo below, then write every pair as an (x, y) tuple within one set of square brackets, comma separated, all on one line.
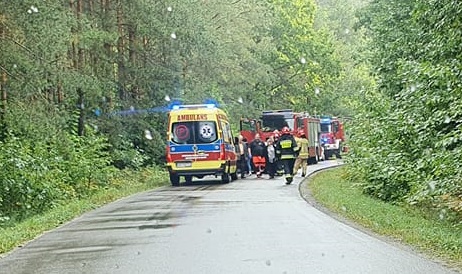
[(247, 226)]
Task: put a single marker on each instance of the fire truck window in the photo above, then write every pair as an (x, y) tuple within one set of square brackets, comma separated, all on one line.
[(248, 125), (299, 123), (272, 122), (290, 123), (326, 128), (335, 127)]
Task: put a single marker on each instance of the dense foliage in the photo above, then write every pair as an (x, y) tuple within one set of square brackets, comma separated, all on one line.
[(83, 87), (408, 136), (83, 82)]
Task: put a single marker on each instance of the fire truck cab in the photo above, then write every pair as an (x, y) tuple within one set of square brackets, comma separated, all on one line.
[(332, 137), (272, 120)]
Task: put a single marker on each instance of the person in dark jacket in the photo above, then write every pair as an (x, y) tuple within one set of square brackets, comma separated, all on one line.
[(242, 152), (249, 157), (286, 150), (279, 166), (258, 151)]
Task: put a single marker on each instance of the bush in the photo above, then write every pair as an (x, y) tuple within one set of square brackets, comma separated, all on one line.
[(37, 175)]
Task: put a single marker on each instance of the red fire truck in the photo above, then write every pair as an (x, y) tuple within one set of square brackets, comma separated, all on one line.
[(332, 137), (272, 120)]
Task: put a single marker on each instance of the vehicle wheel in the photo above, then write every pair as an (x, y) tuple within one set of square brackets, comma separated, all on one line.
[(225, 178), (315, 160), (234, 176), (174, 179), (188, 179)]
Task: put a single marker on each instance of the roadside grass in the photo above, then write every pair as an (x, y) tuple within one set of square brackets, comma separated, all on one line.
[(123, 184), (436, 237)]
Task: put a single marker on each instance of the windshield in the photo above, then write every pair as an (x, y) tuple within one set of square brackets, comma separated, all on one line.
[(326, 128), (247, 124), (273, 122), (194, 132)]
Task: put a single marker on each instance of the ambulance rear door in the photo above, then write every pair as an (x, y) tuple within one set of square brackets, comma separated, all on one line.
[(193, 142)]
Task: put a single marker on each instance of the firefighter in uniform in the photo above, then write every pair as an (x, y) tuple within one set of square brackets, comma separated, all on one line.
[(279, 166), (303, 153), (286, 150)]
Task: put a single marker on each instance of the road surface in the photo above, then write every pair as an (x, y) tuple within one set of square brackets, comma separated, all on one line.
[(247, 226)]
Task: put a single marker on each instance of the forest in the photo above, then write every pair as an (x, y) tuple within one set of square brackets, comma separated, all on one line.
[(84, 85)]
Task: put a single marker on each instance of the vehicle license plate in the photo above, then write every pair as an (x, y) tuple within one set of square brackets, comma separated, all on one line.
[(183, 164)]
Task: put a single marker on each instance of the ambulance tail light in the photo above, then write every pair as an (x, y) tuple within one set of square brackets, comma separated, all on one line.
[(168, 156), (222, 152)]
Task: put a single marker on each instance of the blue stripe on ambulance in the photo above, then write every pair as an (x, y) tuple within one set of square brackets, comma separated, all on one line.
[(213, 147)]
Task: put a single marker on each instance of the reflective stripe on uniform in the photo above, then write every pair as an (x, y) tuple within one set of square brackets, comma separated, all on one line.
[(286, 144)]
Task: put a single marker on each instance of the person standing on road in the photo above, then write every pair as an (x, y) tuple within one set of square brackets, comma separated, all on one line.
[(258, 151), (286, 150), (271, 157), (242, 152), (279, 166), (303, 153), (249, 157)]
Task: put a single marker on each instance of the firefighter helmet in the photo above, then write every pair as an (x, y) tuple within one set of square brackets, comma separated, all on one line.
[(285, 130), (276, 133)]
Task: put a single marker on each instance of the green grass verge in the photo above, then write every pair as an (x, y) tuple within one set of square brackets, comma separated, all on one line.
[(124, 184), (438, 238)]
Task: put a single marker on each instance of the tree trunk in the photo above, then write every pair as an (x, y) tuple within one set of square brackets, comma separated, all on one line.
[(81, 53), (132, 44), (73, 51), (90, 7), (3, 96), (108, 47), (80, 104), (3, 104), (59, 91), (120, 51)]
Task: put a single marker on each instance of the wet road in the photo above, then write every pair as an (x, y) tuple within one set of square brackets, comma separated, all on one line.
[(247, 226)]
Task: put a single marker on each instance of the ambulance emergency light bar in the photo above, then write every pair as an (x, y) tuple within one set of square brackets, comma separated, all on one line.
[(208, 103)]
